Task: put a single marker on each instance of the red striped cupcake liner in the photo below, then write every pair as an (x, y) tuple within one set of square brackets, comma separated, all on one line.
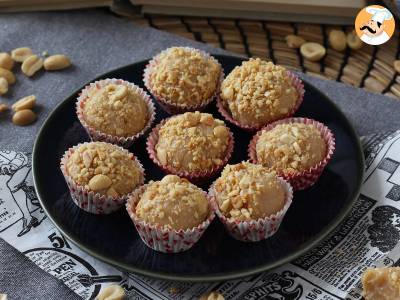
[(297, 83), (254, 230), (306, 178), (164, 239), (198, 177), (171, 108), (97, 135), (90, 201)]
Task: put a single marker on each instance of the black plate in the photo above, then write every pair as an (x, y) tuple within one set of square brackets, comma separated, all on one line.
[(112, 238)]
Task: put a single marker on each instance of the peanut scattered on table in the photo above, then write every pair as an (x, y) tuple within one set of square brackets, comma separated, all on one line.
[(27, 102), (6, 61), (353, 41), (111, 292), (7, 74), (3, 86), (294, 41), (20, 54), (56, 62), (3, 107), (337, 40), (24, 117), (31, 65), (312, 51)]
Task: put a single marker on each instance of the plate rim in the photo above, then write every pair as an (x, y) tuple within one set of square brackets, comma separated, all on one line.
[(201, 278)]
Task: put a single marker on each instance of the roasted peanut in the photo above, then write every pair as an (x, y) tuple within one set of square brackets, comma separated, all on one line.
[(3, 107), (337, 40), (27, 102), (7, 74), (6, 61), (212, 296), (31, 65), (312, 51), (24, 117), (353, 41), (20, 54), (56, 62), (111, 292), (3, 86), (294, 41), (396, 65), (99, 182)]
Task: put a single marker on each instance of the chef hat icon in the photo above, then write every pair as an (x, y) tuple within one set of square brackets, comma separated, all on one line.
[(379, 14)]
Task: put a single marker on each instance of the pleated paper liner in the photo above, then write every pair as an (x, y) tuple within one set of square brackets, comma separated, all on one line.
[(172, 108), (306, 178), (254, 230), (91, 201), (297, 83), (165, 239), (196, 177), (97, 135)]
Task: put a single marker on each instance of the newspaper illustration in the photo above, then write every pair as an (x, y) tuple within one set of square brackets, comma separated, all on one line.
[(367, 237)]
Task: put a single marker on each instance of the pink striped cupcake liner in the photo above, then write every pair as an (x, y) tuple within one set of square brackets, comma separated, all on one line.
[(297, 83), (197, 177), (90, 201), (160, 238), (306, 178), (97, 135), (254, 230), (171, 108)]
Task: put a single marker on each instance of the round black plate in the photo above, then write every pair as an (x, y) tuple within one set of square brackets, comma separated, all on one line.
[(112, 238)]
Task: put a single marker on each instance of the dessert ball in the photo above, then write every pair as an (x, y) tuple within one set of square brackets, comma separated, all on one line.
[(105, 169), (291, 148), (173, 203), (258, 92), (184, 77), (192, 142), (247, 191)]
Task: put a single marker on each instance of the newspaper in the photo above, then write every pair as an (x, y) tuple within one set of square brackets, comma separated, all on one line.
[(369, 235)]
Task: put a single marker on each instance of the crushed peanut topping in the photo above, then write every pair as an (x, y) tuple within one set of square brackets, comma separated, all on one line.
[(184, 77), (291, 148), (381, 283), (174, 203), (258, 92), (104, 168), (116, 109), (247, 191), (192, 141)]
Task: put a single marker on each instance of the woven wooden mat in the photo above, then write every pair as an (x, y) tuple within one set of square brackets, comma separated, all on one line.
[(370, 68)]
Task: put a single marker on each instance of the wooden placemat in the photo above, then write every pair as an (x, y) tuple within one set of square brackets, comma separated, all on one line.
[(370, 68)]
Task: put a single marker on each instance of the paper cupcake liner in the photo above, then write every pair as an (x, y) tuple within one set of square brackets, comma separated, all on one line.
[(196, 177), (163, 239), (97, 135), (297, 83), (304, 179), (173, 108), (255, 230), (90, 201)]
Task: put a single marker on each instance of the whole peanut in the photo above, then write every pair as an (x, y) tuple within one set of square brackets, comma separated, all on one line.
[(31, 65), (294, 41), (337, 40), (56, 62), (27, 102), (3, 86), (312, 51), (24, 117), (353, 41), (3, 107), (6, 61), (7, 74), (20, 54)]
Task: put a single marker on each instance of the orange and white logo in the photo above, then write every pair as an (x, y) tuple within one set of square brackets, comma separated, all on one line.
[(374, 25)]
